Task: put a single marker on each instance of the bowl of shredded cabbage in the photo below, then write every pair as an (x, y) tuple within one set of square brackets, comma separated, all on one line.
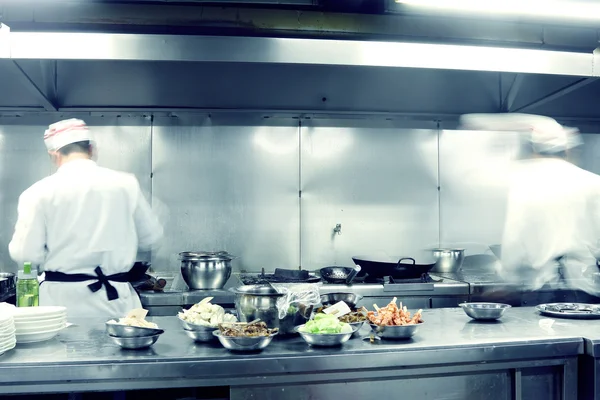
[(325, 330), (129, 327)]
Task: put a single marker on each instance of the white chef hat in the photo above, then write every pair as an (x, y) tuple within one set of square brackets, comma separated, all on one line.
[(545, 134), (65, 132)]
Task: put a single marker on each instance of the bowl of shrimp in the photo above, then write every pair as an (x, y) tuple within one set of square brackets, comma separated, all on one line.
[(393, 322)]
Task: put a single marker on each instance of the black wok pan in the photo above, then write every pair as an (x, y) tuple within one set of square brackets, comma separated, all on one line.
[(405, 267)]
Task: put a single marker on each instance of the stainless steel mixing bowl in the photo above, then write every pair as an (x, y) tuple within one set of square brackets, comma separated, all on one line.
[(201, 335), (205, 270), (125, 331), (448, 260), (244, 343), (257, 302), (135, 343), (324, 339), (484, 311), (396, 331)]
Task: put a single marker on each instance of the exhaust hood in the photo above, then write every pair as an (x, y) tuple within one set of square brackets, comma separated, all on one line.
[(101, 72)]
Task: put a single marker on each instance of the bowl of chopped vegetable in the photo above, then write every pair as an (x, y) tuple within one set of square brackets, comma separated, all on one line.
[(204, 316), (325, 330), (132, 327), (244, 336)]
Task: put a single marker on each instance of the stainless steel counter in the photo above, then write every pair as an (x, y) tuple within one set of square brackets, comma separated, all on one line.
[(448, 345)]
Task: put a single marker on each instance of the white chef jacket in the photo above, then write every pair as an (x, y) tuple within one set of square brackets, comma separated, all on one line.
[(81, 217), (553, 210)]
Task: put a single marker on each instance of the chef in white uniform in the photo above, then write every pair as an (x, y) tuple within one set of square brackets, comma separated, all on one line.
[(83, 226), (552, 225)]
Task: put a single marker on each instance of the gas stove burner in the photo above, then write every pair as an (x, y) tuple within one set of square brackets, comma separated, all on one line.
[(262, 278), (390, 280)]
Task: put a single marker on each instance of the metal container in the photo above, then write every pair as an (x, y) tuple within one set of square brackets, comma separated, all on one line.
[(448, 260), (292, 320), (7, 282), (244, 343), (484, 311), (257, 302), (351, 299), (205, 270), (126, 331), (201, 335), (324, 339), (396, 332), (135, 343)]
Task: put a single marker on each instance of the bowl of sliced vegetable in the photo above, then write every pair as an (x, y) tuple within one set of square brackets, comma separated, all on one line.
[(325, 330), (244, 336)]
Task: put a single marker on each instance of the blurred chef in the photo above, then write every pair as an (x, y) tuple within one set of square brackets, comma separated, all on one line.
[(83, 226), (552, 224)]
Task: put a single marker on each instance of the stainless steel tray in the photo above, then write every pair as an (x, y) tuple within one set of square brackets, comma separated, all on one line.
[(570, 310)]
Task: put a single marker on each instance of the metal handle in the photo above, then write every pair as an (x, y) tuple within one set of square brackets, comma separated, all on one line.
[(338, 229), (398, 266), (352, 274)]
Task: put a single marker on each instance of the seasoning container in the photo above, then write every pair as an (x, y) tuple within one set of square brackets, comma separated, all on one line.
[(28, 287)]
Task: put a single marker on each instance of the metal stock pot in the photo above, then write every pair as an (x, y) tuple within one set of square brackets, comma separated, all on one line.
[(205, 270)]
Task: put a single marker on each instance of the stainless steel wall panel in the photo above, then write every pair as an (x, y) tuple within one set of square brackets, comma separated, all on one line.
[(378, 179), (123, 144), (230, 183), (474, 169)]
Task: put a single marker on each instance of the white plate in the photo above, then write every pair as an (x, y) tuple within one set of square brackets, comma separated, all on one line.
[(39, 319), (41, 311), (7, 333), (32, 324), (40, 329), (8, 322), (38, 337), (7, 348), (8, 343)]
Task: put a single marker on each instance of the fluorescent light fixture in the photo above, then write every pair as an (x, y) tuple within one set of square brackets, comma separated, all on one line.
[(4, 41), (566, 9)]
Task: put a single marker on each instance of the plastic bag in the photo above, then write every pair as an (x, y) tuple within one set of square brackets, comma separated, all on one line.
[(297, 296)]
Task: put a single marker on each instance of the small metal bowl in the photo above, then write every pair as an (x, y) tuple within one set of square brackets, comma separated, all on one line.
[(356, 326), (244, 343), (349, 298), (395, 331), (324, 339), (484, 311), (201, 335), (188, 326), (126, 331), (135, 343)]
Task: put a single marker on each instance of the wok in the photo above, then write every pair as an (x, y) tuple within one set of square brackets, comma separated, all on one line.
[(405, 267)]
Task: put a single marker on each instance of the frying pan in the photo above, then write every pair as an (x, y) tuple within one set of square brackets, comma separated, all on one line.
[(405, 267)]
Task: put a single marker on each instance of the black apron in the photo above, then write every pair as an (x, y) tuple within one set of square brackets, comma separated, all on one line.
[(136, 273)]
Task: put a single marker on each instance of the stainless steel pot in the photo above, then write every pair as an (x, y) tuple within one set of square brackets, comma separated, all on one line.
[(257, 302), (448, 260), (7, 282), (205, 270)]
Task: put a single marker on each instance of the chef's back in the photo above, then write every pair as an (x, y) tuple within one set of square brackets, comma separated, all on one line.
[(83, 226)]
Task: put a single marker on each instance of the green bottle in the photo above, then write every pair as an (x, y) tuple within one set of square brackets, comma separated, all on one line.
[(28, 287)]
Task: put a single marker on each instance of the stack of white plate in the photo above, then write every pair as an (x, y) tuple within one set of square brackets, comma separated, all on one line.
[(37, 324), (7, 333)]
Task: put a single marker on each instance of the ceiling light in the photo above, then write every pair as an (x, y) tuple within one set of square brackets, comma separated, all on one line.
[(580, 10)]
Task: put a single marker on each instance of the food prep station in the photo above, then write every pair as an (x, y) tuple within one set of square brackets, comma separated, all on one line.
[(451, 355)]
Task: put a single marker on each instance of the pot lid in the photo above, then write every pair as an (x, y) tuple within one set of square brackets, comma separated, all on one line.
[(205, 255), (257, 290)]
